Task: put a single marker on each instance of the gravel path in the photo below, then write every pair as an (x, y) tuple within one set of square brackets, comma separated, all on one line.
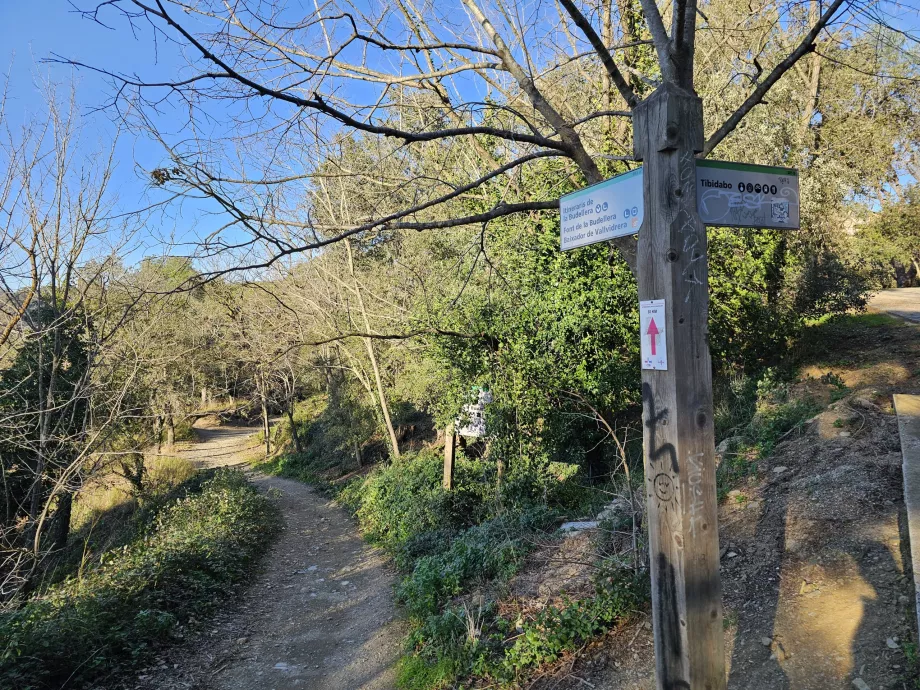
[(319, 616)]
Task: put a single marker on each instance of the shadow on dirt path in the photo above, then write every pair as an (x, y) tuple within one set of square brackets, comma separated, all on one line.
[(320, 615), (815, 587)]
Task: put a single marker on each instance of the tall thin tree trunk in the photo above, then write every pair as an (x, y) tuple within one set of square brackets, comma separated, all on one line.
[(814, 86), (265, 429), (170, 430), (381, 396), (61, 524), (294, 436), (606, 83), (158, 432), (369, 346)]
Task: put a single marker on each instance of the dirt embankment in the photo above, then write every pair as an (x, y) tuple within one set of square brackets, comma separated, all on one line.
[(814, 552)]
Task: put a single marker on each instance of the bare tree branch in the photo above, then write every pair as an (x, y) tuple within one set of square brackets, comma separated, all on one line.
[(806, 45), (606, 58)]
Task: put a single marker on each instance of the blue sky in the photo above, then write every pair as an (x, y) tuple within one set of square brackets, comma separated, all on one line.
[(34, 30)]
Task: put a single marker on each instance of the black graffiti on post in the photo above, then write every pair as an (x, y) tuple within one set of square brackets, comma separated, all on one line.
[(668, 622), (664, 489), (663, 466), (654, 418)]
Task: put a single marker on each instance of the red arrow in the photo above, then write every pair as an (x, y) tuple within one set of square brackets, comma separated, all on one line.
[(653, 332)]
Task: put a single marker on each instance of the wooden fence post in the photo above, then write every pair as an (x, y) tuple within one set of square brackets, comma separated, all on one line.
[(449, 445), (677, 401)]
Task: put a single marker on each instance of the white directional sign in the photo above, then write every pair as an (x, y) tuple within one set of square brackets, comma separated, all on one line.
[(473, 421), (612, 208), (653, 332), (747, 196)]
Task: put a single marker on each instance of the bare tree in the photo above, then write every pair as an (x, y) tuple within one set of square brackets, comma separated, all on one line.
[(58, 395), (486, 90)]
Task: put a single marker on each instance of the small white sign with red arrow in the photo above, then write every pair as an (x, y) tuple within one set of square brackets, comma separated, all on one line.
[(653, 333)]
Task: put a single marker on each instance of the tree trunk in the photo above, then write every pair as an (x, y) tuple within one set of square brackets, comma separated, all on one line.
[(677, 401), (294, 436), (158, 432), (358, 457), (381, 396), (449, 446), (369, 346), (170, 430), (60, 526), (133, 470), (814, 85), (265, 428)]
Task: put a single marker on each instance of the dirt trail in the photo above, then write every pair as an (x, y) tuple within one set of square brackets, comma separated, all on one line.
[(319, 616), (903, 302)]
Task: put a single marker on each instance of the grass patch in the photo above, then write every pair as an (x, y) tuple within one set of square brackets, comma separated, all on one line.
[(114, 615), (820, 343), (102, 496), (461, 643), (854, 321), (758, 439), (751, 418)]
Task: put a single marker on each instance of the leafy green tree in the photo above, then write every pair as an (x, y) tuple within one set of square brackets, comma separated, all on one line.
[(890, 242)]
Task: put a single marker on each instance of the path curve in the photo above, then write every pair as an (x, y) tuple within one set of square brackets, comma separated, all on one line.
[(320, 615)]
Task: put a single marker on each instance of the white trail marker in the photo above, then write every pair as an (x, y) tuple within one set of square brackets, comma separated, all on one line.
[(653, 331)]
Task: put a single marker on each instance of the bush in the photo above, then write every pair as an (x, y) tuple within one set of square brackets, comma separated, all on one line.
[(404, 500), (457, 643), (116, 614), (762, 414), (492, 550), (557, 630)]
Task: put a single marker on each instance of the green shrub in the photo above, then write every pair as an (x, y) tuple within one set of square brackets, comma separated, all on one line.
[(397, 503), (491, 550), (770, 415), (771, 425), (557, 630), (504, 650), (117, 613)]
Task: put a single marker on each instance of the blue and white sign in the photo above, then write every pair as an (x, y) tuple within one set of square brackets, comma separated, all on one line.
[(612, 208)]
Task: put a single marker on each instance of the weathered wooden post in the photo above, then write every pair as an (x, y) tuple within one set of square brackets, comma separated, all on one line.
[(677, 396), (449, 446)]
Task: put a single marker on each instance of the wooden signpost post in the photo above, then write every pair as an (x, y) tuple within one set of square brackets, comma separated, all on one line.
[(450, 444), (680, 195), (678, 438)]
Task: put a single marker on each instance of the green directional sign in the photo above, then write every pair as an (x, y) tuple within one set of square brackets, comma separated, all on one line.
[(747, 196)]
